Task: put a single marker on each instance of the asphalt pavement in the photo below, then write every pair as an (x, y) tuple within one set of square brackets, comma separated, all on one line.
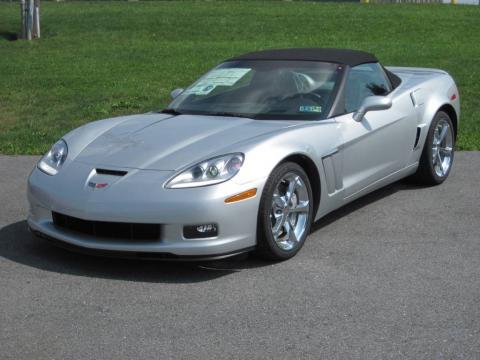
[(394, 275)]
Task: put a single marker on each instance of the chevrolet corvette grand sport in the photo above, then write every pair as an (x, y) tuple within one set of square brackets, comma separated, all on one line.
[(247, 157)]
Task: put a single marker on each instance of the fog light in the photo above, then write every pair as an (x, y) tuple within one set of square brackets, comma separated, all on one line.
[(200, 231)]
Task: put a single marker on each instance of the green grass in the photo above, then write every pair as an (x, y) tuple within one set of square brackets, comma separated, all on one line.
[(102, 59)]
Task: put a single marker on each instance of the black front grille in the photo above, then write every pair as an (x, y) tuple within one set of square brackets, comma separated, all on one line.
[(103, 229)]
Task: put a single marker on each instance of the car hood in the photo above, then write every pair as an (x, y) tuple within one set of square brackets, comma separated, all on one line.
[(165, 142)]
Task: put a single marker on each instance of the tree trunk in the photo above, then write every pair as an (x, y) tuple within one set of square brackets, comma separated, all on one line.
[(29, 19), (36, 19), (23, 33)]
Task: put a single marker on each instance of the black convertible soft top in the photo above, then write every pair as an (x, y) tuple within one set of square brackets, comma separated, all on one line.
[(338, 56)]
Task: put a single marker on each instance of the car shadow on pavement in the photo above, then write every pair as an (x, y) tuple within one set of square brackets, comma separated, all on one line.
[(19, 245), (405, 184)]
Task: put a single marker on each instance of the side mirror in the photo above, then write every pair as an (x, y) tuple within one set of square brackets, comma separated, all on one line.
[(176, 92), (372, 103)]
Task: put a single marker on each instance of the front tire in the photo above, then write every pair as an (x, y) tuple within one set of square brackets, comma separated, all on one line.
[(285, 213), (438, 152)]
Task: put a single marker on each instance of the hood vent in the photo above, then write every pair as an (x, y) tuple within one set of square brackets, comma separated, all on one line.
[(111, 172)]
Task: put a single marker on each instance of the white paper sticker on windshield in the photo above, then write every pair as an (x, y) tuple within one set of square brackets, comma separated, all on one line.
[(217, 77)]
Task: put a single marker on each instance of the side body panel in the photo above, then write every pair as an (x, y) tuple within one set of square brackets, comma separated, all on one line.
[(378, 145), (430, 90), (318, 141)]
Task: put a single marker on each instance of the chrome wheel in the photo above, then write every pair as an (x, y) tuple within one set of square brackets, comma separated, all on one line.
[(289, 213), (442, 148)]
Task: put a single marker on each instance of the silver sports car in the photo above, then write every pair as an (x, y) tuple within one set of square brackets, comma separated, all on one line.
[(247, 157)]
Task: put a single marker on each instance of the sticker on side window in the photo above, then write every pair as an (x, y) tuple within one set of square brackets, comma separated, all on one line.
[(217, 77), (310, 109)]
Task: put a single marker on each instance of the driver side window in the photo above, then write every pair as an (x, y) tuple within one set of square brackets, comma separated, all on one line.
[(365, 80)]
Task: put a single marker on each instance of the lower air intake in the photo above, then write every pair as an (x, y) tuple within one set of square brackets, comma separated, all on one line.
[(103, 229)]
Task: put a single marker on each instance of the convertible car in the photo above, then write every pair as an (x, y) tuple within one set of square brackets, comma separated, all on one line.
[(246, 158)]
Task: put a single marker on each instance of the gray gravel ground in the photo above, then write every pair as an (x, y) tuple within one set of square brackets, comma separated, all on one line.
[(394, 275)]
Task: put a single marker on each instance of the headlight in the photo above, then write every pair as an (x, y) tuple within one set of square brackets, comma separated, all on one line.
[(208, 172), (54, 159)]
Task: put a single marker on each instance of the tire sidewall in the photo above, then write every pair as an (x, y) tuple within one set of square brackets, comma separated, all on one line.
[(265, 237), (429, 142)]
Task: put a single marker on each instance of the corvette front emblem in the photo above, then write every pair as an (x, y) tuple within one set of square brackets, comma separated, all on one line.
[(97, 185)]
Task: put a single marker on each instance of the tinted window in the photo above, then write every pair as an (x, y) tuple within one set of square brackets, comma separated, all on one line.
[(363, 81), (263, 89)]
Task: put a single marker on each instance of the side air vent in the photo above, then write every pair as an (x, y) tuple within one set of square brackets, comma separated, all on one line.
[(417, 137), (331, 164), (111, 172)]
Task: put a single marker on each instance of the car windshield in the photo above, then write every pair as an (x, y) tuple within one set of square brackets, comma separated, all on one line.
[(261, 89)]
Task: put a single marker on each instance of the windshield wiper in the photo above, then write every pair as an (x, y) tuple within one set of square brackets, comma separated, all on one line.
[(229, 114), (171, 111)]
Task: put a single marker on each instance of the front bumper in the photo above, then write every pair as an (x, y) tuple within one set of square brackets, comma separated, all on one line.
[(139, 197), (144, 255)]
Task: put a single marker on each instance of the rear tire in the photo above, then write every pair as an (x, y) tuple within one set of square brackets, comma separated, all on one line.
[(438, 152), (285, 213)]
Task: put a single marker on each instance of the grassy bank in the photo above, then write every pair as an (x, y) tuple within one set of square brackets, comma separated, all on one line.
[(102, 59)]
